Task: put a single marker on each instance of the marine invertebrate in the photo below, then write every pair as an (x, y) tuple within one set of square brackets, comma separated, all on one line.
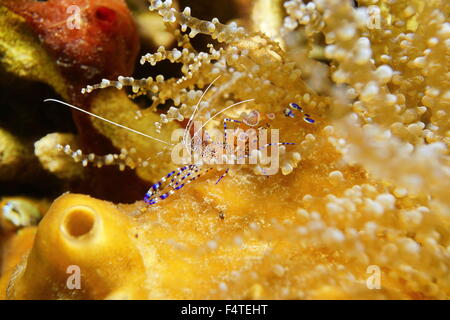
[(233, 76), (59, 164), (84, 226), (13, 249), (366, 192), (226, 150), (41, 42), (150, 25), (12, 154), (22, 55), (18, 219), (19, 212), (91, 27)]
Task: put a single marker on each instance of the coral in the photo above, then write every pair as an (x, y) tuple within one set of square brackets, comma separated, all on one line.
[(52, 160), (267, 17), (41, 43), (19, 212), (23, 56), (102, 35), (18, 219), (13, 155), (150, 25), (150, 160), (365, 186)]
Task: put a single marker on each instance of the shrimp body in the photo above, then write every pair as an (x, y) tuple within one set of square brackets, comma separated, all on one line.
[(177, 179)]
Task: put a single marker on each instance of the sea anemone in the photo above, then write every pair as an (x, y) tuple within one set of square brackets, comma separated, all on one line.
[(359, 207)]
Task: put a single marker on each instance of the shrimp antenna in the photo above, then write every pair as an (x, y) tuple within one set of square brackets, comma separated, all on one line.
[(195, 110), (106, 120), (222, 111)]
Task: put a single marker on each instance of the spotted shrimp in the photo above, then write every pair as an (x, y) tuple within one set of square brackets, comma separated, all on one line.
[(180, 177)]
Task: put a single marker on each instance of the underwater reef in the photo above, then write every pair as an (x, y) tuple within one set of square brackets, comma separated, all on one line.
[(94, 206)]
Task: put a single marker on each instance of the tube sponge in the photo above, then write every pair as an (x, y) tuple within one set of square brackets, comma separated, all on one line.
[(84, 234)]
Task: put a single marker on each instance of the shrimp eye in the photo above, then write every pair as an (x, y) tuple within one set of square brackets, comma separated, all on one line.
[(288, 113), (295, 106)]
